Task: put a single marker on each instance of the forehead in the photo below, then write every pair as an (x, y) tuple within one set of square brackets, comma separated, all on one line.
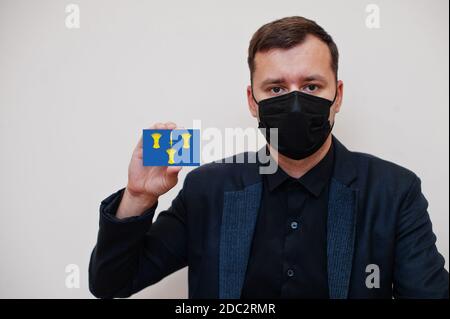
[(311, 56)]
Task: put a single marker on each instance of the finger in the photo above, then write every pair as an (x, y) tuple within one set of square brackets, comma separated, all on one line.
[(170, 125), (160, 126), (153, 126), (139, 144), (173, 170), (140, 153)]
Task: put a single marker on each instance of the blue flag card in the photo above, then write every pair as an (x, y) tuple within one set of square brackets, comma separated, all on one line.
[(178, 147)]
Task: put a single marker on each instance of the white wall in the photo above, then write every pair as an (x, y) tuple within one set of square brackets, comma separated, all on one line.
[(73, 103)]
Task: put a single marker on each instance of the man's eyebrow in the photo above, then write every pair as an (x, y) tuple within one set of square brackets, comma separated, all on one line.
[(315, 77), (272, 81), (312, 77)]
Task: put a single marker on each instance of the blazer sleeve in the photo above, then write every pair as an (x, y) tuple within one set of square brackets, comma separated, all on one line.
[(134, 253), (418, 267)]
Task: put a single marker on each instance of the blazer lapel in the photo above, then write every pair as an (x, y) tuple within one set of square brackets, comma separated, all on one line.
[(340, 238), (341, 225), (240, 211)]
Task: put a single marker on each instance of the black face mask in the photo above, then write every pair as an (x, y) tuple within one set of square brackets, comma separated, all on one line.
[(301, 120)]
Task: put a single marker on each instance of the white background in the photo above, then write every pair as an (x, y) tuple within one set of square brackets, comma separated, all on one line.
[(73, 103)]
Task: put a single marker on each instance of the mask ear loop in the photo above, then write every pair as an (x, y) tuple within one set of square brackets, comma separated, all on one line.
[(324, 123), (334, 100), (267, 131), (335, 96), (251, 87)]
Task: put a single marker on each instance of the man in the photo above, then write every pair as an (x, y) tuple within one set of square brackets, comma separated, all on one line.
[(329, 223)]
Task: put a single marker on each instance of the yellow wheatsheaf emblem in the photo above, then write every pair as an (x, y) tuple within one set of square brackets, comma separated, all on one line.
[(171, 151), (156, 137), (186, 138)]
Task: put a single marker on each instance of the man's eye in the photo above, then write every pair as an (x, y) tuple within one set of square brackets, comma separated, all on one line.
[(276, 90), (311, 88)]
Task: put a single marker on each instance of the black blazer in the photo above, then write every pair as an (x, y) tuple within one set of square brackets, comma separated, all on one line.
[(377, 215)]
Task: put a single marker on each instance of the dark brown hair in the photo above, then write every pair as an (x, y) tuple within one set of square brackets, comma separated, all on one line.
[(286, 33)]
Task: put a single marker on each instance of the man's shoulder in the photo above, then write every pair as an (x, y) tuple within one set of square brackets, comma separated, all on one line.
[(383, 170)]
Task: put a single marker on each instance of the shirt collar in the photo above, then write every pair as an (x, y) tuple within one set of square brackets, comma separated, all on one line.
[(314, 180)]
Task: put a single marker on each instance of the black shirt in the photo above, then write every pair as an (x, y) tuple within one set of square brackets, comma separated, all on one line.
[(288, 258)]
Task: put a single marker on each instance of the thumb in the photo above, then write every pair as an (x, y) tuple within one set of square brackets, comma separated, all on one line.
[(173, 170)]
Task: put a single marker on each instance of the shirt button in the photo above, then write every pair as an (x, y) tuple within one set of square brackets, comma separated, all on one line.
[(294, 225), (290, 272)]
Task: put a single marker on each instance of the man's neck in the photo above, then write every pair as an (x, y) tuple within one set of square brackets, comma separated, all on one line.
[(298, 168)]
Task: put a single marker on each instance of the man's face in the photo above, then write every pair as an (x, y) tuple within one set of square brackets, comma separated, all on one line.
[(305, 67)]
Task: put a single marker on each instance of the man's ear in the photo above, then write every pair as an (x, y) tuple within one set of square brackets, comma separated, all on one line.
[(252, 106), (339, 97)]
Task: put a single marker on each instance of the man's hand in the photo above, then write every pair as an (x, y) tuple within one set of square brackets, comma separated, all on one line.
[(146, 183)]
